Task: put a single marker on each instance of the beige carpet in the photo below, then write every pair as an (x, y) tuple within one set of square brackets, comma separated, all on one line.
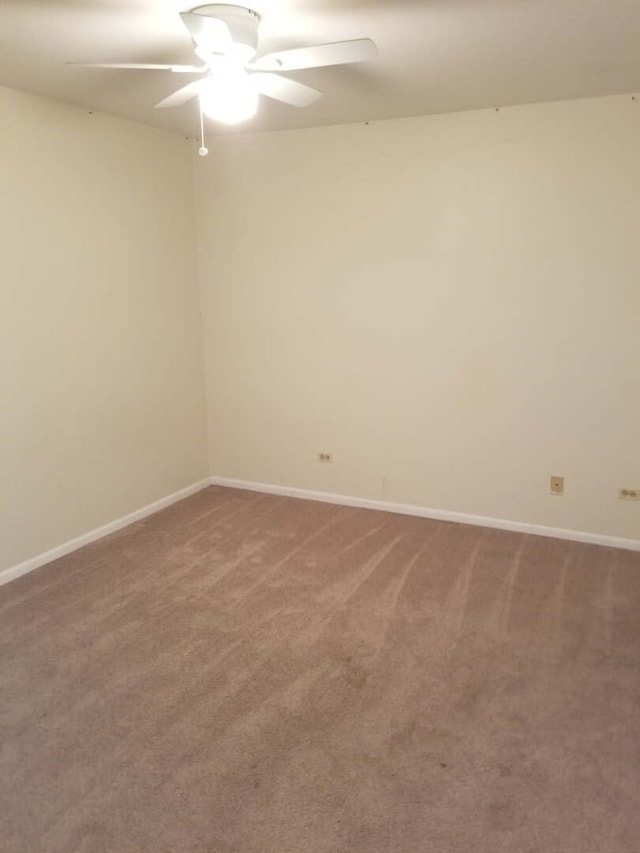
[(244, 673)]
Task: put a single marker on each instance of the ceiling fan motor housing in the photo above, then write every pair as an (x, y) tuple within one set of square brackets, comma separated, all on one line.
[(242, 23)]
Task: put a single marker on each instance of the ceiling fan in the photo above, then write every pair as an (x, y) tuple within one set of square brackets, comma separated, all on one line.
[(225, 39)]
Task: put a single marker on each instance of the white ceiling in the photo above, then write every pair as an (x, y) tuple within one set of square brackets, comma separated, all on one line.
[(435, 55)]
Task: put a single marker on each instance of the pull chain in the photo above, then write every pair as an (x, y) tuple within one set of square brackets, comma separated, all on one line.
[(203, 150)]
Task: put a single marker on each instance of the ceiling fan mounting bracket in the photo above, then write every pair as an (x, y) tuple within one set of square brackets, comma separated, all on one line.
[(224, 10), (241, 22)]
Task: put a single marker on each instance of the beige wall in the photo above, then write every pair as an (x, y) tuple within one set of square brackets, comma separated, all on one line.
[(449, 305), (101, 392)]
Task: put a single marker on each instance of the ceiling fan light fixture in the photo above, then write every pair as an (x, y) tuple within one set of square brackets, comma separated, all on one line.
[(229, 96)]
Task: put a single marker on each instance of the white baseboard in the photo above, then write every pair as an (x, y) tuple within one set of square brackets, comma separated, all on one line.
[(29, 565), (426, 512), (13, 572)]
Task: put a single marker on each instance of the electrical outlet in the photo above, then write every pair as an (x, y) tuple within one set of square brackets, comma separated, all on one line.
[(325, 457), (556, 485), (629, 494)]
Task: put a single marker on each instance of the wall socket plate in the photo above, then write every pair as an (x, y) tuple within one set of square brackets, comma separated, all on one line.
[(325, 457), (629, 494), (556, 485)]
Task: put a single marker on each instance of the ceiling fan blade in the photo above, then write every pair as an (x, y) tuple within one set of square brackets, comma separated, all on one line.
[(284, 89), (180, 97), (211, 34), (318, 56), (180, 69)]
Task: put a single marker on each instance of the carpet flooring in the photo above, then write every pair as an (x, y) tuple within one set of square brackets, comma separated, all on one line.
[(245, 673)]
